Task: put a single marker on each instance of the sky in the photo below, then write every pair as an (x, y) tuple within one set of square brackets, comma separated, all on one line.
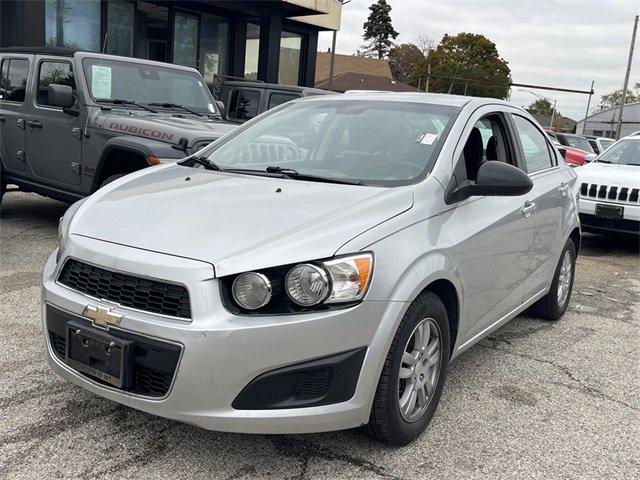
[(560, 43)]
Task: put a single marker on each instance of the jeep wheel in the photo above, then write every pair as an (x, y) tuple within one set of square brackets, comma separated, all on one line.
[(553, 305), (413, 375), (3, 186)]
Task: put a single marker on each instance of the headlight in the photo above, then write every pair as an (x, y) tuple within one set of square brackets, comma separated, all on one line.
[(349, 277), (251, 290), (307, 284), (63, 226)]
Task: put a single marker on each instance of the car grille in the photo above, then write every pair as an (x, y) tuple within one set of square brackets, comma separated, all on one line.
[(610, 192), (154, 362), (126, 290)]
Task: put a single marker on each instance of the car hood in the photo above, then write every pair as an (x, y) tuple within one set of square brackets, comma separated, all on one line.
[(164, 127), (610, 174), (235, 222)]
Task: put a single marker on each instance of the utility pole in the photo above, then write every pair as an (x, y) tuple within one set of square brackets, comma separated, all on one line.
[(586, 114), (333, 59), (553, 113), (626, 78), (426, 88)]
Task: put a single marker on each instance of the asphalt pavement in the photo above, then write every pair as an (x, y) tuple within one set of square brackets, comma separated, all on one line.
[(534, 400)]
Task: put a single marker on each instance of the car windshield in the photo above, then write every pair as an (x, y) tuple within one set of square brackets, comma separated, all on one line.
[(147, 84), (624, 152), (606, 143), (369, 142), (579, 142)]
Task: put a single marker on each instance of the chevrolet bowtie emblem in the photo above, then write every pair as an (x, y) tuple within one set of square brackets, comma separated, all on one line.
[(102, 316)]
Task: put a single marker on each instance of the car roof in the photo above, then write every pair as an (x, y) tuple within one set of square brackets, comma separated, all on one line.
[(414, 97)]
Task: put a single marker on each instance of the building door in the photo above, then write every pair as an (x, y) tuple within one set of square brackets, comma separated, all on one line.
[(186, 34)]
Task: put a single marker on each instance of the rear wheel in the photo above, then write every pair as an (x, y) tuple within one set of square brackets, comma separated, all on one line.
[(3, 186), (413, 375), (553, 305)]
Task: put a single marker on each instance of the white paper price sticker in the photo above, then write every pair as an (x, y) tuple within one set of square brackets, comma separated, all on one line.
[(428, 138), (101, 81)]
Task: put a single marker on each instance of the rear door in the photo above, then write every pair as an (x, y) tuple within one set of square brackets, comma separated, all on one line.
[(53, 137), (14, 75), (549, 198)]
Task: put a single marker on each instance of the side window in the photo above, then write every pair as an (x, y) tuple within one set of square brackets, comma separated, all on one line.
[(486, 142), (244, 104), (276, 99), (534, 145), (59, 73), (13, 79)]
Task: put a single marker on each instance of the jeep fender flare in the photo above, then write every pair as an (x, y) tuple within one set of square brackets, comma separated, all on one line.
[(142, 147)]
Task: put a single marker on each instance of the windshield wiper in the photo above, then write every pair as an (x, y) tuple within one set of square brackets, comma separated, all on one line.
[(295, 175), (174, 106), (206, 163), (120, 101)]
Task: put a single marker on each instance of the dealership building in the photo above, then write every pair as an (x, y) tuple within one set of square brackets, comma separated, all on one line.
[(270, 40)]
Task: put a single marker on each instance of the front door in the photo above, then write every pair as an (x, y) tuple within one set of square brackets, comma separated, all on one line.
[(550, 196), (14, 72), (53, 137), (493, 258)]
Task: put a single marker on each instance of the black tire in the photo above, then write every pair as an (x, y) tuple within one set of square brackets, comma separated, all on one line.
[(3, 186), (549, 307), (386, 423), (112, 178)]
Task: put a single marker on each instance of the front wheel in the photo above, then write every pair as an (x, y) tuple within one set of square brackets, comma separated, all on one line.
[(413, 375), (553, 305)]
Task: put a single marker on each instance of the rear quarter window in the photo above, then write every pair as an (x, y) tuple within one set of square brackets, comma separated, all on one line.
[(243, 104), (13, 79)]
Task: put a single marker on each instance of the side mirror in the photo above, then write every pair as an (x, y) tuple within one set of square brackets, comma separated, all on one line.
[(590, 157), (221, 108), (60, 96), (495, 179)]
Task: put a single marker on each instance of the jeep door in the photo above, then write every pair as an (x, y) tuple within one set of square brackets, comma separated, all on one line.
[(14, 75), (53, 137), (495, 232), (550, 199)]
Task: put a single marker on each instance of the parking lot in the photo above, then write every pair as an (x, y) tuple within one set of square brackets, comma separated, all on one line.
[(535, 399)]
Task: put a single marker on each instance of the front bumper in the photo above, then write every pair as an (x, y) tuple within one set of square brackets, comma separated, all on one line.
[(629, 225), (221, 352)]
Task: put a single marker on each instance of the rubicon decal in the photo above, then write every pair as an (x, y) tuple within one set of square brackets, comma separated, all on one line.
[(143, 132)]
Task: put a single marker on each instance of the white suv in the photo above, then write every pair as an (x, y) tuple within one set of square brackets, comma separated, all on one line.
[(610, 190)]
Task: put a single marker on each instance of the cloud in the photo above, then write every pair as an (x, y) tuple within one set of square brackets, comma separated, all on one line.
[(554, 43)]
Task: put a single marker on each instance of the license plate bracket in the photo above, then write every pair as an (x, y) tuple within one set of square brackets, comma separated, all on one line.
[(612, 212), (97, 353)]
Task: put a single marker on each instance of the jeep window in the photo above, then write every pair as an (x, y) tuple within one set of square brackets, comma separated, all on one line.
[(59, 73), (376, 143), (145, 84), (276, 99), (13, 79), (243, 105), (537, 155), (624, 152), (578, 142)]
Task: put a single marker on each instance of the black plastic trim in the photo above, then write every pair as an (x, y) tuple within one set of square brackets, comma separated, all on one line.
[(281, 388)]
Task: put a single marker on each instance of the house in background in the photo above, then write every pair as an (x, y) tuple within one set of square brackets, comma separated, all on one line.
[(605, 122), (270, 40), (560, 123), (362, 81)]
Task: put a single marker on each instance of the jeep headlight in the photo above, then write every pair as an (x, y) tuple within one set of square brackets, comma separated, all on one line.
[(63, 226)]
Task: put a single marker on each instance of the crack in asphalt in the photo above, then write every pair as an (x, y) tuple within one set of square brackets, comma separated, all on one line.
[(304, 450), (586, 388)]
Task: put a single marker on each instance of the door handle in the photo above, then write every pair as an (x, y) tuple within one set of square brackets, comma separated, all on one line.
[(20, 123), (564, 188), (34, 123), (528, 209)]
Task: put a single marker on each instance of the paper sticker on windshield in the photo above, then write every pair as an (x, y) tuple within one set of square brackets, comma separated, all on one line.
[(211, 109), (101, 81), (428, 138)]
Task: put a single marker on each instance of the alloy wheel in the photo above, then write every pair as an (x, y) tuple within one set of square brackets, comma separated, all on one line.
[(564, 279)]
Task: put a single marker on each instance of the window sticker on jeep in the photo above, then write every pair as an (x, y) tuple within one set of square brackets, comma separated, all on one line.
[(101, 81), (427, 138)]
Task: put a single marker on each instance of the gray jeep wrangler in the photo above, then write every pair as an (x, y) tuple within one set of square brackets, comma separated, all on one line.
[(70, 122)]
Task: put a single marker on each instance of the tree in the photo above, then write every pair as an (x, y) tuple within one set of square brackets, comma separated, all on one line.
[(465, 64), (541, 107), (378, 30), (403, 59), (614, 99)]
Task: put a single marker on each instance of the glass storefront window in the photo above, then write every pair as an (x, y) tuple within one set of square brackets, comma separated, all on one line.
[(290, 54), (214, 46), (185, 39), (151, 31), (120, 28), (73, 24), (252, 52)]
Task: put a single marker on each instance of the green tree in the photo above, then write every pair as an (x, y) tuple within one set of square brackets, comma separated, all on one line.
[(465, 64), (541, 107), (403, 59), (614, 99), (378, 30)]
